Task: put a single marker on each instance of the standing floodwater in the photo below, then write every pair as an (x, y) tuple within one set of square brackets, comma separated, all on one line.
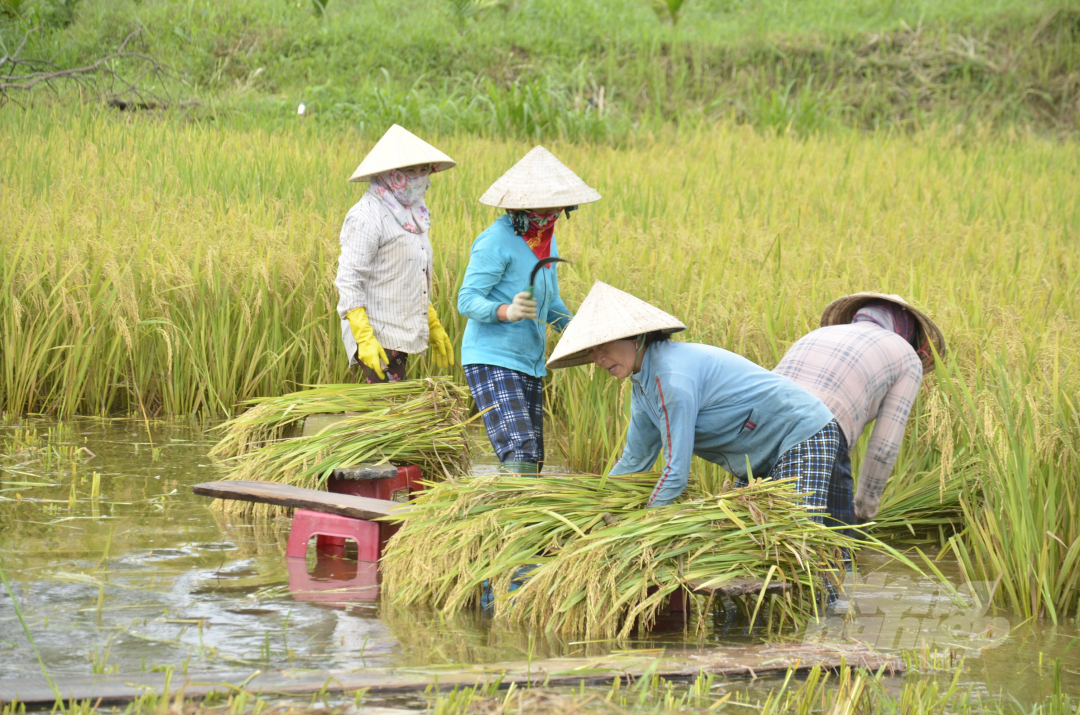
[(118, 567)]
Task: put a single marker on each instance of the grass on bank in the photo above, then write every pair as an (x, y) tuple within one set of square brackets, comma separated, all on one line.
[(597, 70), (846, 692)]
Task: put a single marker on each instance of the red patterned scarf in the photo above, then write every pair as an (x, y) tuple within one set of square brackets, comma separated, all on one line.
[(537, 229)]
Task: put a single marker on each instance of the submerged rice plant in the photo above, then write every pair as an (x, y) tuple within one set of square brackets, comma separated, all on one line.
[(1021, 504), (598, 564), (418, 422)]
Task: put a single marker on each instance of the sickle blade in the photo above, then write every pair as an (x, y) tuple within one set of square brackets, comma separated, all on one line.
[(544, 262)]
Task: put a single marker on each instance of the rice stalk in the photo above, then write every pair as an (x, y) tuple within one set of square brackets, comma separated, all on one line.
[(418, 422), (920, 502), (453, 534), (604, 565)]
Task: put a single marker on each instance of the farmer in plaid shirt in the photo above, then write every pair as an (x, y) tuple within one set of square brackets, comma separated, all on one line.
[(865, 363)]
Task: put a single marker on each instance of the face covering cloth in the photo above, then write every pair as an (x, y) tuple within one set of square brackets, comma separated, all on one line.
[(537, 229), (891, 317), (404, 196)]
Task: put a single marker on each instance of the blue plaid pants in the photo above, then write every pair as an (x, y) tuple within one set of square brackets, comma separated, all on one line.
[(841, 501), (810, 463), (515, 425)]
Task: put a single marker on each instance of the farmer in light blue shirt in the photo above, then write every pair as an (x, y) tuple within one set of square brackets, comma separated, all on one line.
[(509, 309), (692, 399)]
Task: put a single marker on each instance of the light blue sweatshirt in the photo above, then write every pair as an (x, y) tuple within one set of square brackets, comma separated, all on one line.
[(499, 269), (698, 399)]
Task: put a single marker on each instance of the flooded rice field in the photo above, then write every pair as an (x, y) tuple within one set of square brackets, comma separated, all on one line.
[(118, 568)]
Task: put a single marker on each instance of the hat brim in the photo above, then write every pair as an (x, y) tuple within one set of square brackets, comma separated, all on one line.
[(582, 357), (539, 181), (842, 310), (436, 167), (528, 204)]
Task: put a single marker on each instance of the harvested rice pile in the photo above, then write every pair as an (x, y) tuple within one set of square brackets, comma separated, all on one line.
[(918, 503), (410, 422), (606, 564)]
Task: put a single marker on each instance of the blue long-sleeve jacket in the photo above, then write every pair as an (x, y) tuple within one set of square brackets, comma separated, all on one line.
[(698, 399), (498, 269)]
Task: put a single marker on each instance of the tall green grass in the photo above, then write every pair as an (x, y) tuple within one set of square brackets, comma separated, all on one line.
[(182, 268)]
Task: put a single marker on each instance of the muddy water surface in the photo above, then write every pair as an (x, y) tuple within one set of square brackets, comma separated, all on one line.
[(118, 567)]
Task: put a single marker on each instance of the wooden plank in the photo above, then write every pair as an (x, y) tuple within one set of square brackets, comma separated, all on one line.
[(298, 498), (366, 471), (733, 661), (738, 586)]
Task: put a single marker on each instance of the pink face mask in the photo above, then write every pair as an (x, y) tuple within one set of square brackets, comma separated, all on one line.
[(403, 196), (406, 189)]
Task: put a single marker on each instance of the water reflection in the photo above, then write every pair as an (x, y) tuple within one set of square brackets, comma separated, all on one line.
[(119, 567), (334, 580)]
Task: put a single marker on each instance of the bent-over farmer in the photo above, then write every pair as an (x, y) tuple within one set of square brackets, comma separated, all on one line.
[(509, 309), (698, 399), (385, 267), (865, 363)]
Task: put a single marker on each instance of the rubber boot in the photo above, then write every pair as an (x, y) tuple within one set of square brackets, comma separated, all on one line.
[(518, 469)]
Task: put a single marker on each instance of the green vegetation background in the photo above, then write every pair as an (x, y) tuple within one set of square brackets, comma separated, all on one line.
[(587, 69), (177, 262)]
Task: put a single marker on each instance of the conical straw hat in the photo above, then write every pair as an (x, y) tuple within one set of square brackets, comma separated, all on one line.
[(539, 181), (842, 310), (397, 149), (608, 314)]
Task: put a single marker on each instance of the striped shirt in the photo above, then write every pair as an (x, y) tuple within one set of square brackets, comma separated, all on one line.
[(386, 270), (862, 372)]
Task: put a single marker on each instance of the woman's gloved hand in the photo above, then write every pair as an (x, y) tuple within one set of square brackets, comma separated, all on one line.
[(442, 350), (368, 350), (523, 307)]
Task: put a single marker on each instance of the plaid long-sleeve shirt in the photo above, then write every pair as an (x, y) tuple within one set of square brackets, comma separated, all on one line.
[(862, 372), (386, 270)]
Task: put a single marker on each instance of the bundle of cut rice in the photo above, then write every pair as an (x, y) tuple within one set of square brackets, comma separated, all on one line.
[(918, 503), (410, 422), (604, 565)]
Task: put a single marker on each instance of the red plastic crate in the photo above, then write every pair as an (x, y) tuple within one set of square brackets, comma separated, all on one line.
[(398, 488)]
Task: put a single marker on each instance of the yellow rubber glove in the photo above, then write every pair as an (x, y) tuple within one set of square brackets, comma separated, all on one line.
[(368, 350), (442, 350)]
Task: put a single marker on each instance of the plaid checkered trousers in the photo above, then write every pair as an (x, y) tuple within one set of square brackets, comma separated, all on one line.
[(810, 463), (841, 504), (515, 425)]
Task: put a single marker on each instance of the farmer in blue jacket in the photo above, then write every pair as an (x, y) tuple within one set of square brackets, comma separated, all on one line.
[(692, 399), (503, 349)]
